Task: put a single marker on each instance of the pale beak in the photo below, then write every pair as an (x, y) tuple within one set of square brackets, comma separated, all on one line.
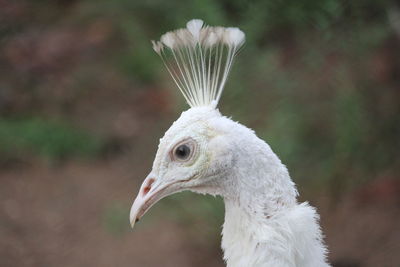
[(150, 192)]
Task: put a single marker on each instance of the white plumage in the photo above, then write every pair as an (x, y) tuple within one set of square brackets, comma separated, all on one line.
[(208, 153), (202, 58)]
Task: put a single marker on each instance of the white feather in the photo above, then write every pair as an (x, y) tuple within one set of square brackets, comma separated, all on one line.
[(199, 59), (194, 26), (168, 39), (264, 226)]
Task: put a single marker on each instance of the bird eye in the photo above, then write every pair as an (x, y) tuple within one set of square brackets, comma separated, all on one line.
[(183, 151)]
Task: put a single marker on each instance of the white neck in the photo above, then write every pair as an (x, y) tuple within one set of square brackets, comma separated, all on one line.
[(260, 197), (264, 225)]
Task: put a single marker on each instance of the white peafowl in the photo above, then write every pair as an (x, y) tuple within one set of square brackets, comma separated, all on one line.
[(208, 153)]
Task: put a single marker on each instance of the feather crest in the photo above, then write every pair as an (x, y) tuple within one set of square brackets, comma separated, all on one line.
[(199, 59)]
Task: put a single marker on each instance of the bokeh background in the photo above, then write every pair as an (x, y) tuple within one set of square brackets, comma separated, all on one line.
[(84, 100)]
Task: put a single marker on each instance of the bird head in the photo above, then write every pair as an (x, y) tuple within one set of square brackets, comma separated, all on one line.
[(193, 154)]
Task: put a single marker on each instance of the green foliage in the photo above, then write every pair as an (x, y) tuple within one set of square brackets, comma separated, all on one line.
[(53, 140), (311, 80), (139, 22)]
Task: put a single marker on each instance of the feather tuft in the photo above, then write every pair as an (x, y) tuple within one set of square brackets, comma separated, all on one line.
[(169, 39), (234, 36), (199, 59), (157, 46), (194, 26)]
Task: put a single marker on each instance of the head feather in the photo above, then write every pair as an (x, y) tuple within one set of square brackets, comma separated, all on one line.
[(199, 59)]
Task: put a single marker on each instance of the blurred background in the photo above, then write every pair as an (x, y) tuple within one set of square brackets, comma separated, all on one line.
[(84, 100)]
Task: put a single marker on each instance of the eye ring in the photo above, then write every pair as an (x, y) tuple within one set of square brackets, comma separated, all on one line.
[(184, 150)]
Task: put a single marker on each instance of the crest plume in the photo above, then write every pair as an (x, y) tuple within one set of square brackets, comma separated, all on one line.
[(199, 59)]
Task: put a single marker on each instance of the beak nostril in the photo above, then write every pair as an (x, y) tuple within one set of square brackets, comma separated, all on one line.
[(146, 190), (147, 187)]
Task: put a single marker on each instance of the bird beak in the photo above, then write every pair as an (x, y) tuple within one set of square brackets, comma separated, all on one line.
[(150, 193)]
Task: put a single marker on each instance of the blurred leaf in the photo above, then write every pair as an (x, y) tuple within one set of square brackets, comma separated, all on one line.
[(53, 140)]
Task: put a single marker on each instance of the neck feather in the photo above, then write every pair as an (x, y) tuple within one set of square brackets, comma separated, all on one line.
[(260, 189), (264, 225), (258, 183)]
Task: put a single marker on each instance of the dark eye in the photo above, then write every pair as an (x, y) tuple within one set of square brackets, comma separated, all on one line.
[(182, 152)]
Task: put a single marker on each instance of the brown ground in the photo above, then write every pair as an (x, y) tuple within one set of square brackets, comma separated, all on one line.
[(57, 216)]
